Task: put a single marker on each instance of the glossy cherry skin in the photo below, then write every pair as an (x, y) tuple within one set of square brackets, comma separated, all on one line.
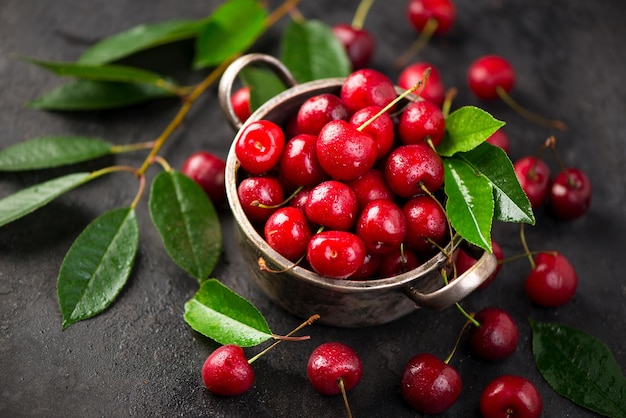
[(570, 194), (240, 101), (299, 162), (444, 11), (397, 262), (434, 89), (253, 191), (287, 231), (335, 254), (382, 129), (426, 221), (500, 139), (226, 371), (429, 385), (318, 110), (259, 146), (381, 226), (367, 87), (411, 166), (510, 396), (497, 336), (329, 363), (333, 205), (552, 282), (368, 269), (371, 186), (533, 174), (464, 262), (421, 121), (359, 44), (344, 152), (208, 170), (488, 72)]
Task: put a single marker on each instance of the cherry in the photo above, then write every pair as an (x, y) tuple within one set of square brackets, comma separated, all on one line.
[(371, 186), (366, 87), (552, 281), (433, 90), (510, 396), (227, 372), (333, 205), (489, 72), (299, 162), (421, 121), (336, 254), (381, 226), (259, 197), (429, 385), (500, 139), (533, 175), (426, 222), (208, 170), (358, 42), (382, 128), (287, 231), (464, 262), (260, 146), (368, 269), (570, 194), (344, 152), (442, 12), (497, 336), (318, 110), (333, 364), (409, 167), (240, 101), (397, 262)]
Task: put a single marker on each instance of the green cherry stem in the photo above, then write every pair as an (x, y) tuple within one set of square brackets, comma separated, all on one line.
[(361, 13), (533, 117), (344, 395), (429, 29), (527, 252)]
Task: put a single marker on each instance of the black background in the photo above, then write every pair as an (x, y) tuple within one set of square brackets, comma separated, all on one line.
[(139, 358)]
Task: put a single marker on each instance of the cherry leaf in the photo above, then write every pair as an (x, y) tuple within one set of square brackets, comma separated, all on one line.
[(311, 51), (98, 265), (140, 38), (226, 317), (97, 95), (466, 128), (187, 222), (231, 29), (31, 198), (511, 203), (469, 202), (263, 85), (580, 367), (52, 151)]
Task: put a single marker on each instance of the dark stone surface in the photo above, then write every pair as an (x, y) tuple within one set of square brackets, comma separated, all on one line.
[(139, 358)]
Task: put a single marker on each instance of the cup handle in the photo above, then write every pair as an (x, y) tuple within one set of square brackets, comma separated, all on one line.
[(457, 289), (230, 76)]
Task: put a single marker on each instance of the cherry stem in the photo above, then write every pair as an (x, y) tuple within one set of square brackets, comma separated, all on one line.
[(361, 13), (447, 102), (458, 305), (263, 266), (425, 34), (524, 255), (309, 321), (467, 324), (551, 143), (258, 204), (344, 394), (527, 252), (533, 117), (118, 149), (450, 230)]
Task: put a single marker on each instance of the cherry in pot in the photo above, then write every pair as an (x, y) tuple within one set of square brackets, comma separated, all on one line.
[(226, 371), (240, 101), (381, 226), (421, 121), (367, 87), (287, 231), (409, 167), (259, 146), (259, 197), (318, 110), (433, 90), (336, 254)]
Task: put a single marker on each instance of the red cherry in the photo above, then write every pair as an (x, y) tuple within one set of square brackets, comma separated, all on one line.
[(443, 11), (359, 44), (335, 254), (426, 221), (465, 261), (382, 129), (368, 269), (208, 170), (497, 336), (533, 174), (299, 163), (318, 110), (553, 280), (367, 87), (333, 205), (434, 89), (287, 231), (570, 194), (226, 371), (371, 186), (381, 226), (240, 101), (259, 196), (259, 146), (429, 385), (411, 166), (488, 72), (421, 120), (331, 362), (500, 139), (397, 262), (510, 396)]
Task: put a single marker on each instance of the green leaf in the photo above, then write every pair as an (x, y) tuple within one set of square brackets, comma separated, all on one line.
[(52, 151), (232, 28), (466, 128), (224, 316), (140, 38), (98, 265), (28, 200), (187, 222), (263, 85), (311, 52), (512, 204), (580, 367), (469, 203), (117, 73), (97, 95)]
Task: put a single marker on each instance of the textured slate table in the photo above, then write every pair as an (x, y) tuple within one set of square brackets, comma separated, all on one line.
[(139, 358)]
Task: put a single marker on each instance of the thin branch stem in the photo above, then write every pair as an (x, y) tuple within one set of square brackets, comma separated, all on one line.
[(361, 13)]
